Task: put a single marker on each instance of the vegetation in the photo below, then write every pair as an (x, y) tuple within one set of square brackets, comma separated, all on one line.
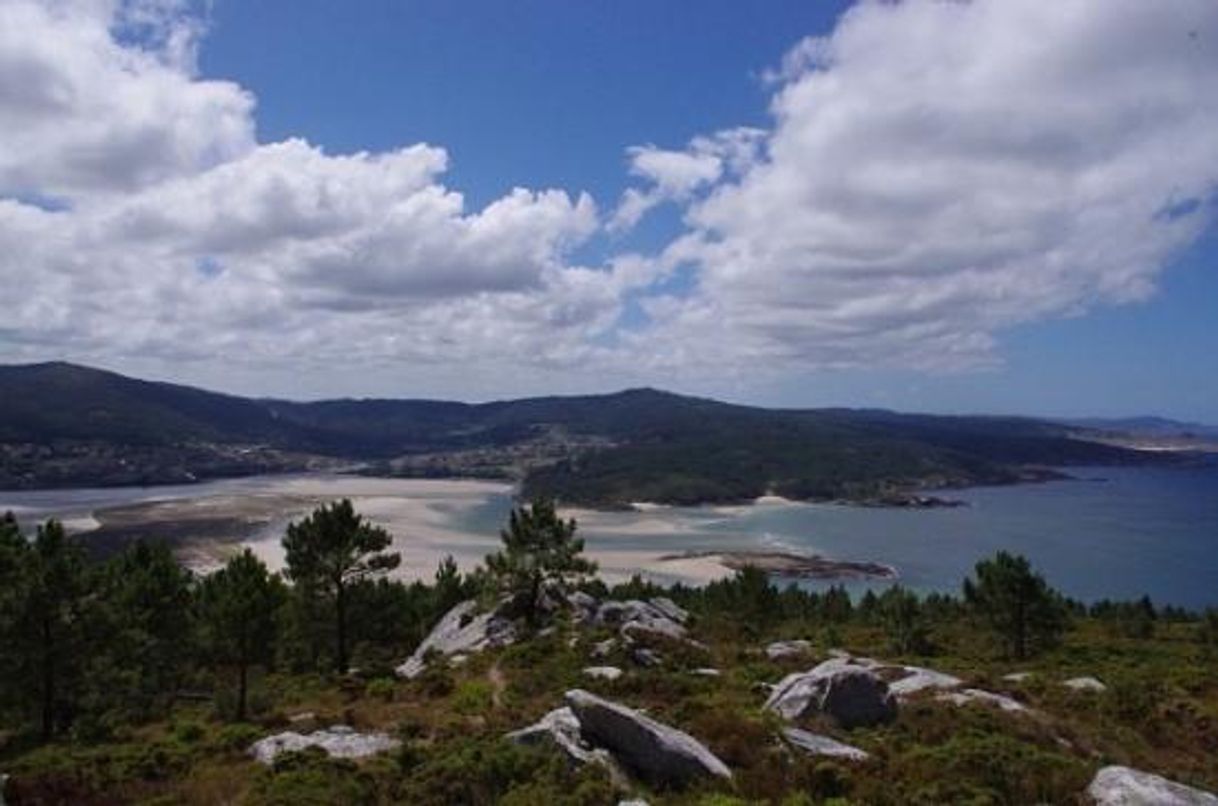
[(331, 550), (63, 425), (1017, 603), (540, 550), (237, 607), (124, 726)]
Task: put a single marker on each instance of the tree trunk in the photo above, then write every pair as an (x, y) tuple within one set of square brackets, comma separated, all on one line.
[(242, 677), (340, 601), (48, 681), (1021, 631), (534, 593)]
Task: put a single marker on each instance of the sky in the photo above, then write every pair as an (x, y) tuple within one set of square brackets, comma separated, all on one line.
[(978, 206)]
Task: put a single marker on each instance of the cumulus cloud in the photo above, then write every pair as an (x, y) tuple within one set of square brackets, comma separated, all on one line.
[(935, 173), (140, 217), (676, 175), (941, 171)]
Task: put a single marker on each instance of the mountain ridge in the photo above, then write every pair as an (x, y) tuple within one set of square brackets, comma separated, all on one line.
[(63, 424)]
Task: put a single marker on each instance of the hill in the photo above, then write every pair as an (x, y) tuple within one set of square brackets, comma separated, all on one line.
[(66, 425)]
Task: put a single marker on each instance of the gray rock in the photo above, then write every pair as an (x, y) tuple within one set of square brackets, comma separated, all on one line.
[(462, 630), (1085, 684), (1016, 677), (918, 679), (1125, 786), (851, 694), (645, 657), (972, 696), (561, 729), (658, 753), (634, 617), (787, 649), (583, 606), (339, 741), (670, 609), (604, 649), (603, 672), (706, 671), (819, 745)]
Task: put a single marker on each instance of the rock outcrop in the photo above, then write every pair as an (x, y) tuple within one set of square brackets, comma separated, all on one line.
[(339, 741), (634, 617), (657, 753), (819, 745), (461, 631), (561, 729), (849, 693), (1125, 786)]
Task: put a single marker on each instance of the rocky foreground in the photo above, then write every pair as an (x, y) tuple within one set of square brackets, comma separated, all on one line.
[(816, 708)]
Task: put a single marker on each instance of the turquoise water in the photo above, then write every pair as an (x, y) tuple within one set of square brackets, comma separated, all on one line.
[(1112, 533)]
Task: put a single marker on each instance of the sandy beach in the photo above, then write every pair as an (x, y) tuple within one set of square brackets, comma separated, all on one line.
[(428, 518)]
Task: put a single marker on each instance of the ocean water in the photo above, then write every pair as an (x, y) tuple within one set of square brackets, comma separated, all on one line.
[(1109, 533), (1115, 533)]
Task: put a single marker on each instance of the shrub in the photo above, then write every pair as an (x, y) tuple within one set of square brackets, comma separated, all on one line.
[(381, 688), (472, 697), (237, 738)]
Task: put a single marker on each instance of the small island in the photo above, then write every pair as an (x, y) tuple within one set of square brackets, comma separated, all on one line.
[(786, 564)]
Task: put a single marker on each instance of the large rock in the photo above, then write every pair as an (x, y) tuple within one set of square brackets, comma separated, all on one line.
[(658, 753), (561, 729), (1124, 786), (852, 695), (339, 741), (670, 609), (462, 630), (819, 745), (634, 617)]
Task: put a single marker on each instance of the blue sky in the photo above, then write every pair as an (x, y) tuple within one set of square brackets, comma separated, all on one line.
[(920, 206)]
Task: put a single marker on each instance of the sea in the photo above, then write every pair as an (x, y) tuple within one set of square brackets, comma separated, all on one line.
[(1106, 533)]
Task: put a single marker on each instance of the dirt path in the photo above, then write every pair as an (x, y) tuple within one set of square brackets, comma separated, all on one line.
[(494, 676)]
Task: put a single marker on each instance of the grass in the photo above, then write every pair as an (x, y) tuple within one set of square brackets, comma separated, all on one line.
[(1159, 713)]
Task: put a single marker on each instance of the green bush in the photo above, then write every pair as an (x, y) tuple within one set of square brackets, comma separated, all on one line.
[(237, 738), (381, 688), (472, 697)]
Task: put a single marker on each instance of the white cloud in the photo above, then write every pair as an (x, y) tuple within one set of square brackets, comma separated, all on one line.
[(172, 233), (677, 175), (84, 114), (939, 172), (936, 173)]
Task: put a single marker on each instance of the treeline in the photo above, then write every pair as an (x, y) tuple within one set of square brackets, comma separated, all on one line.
[(1006, 600), (90, 647)]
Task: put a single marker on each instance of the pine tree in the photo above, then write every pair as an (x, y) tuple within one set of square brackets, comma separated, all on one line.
[(539, 548), (42, 610), (1017, 603), (329, 551), (147, 597), (901, 614), (238, 606)]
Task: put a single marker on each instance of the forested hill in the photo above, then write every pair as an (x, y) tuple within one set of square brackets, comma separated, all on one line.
[(62, 424)]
